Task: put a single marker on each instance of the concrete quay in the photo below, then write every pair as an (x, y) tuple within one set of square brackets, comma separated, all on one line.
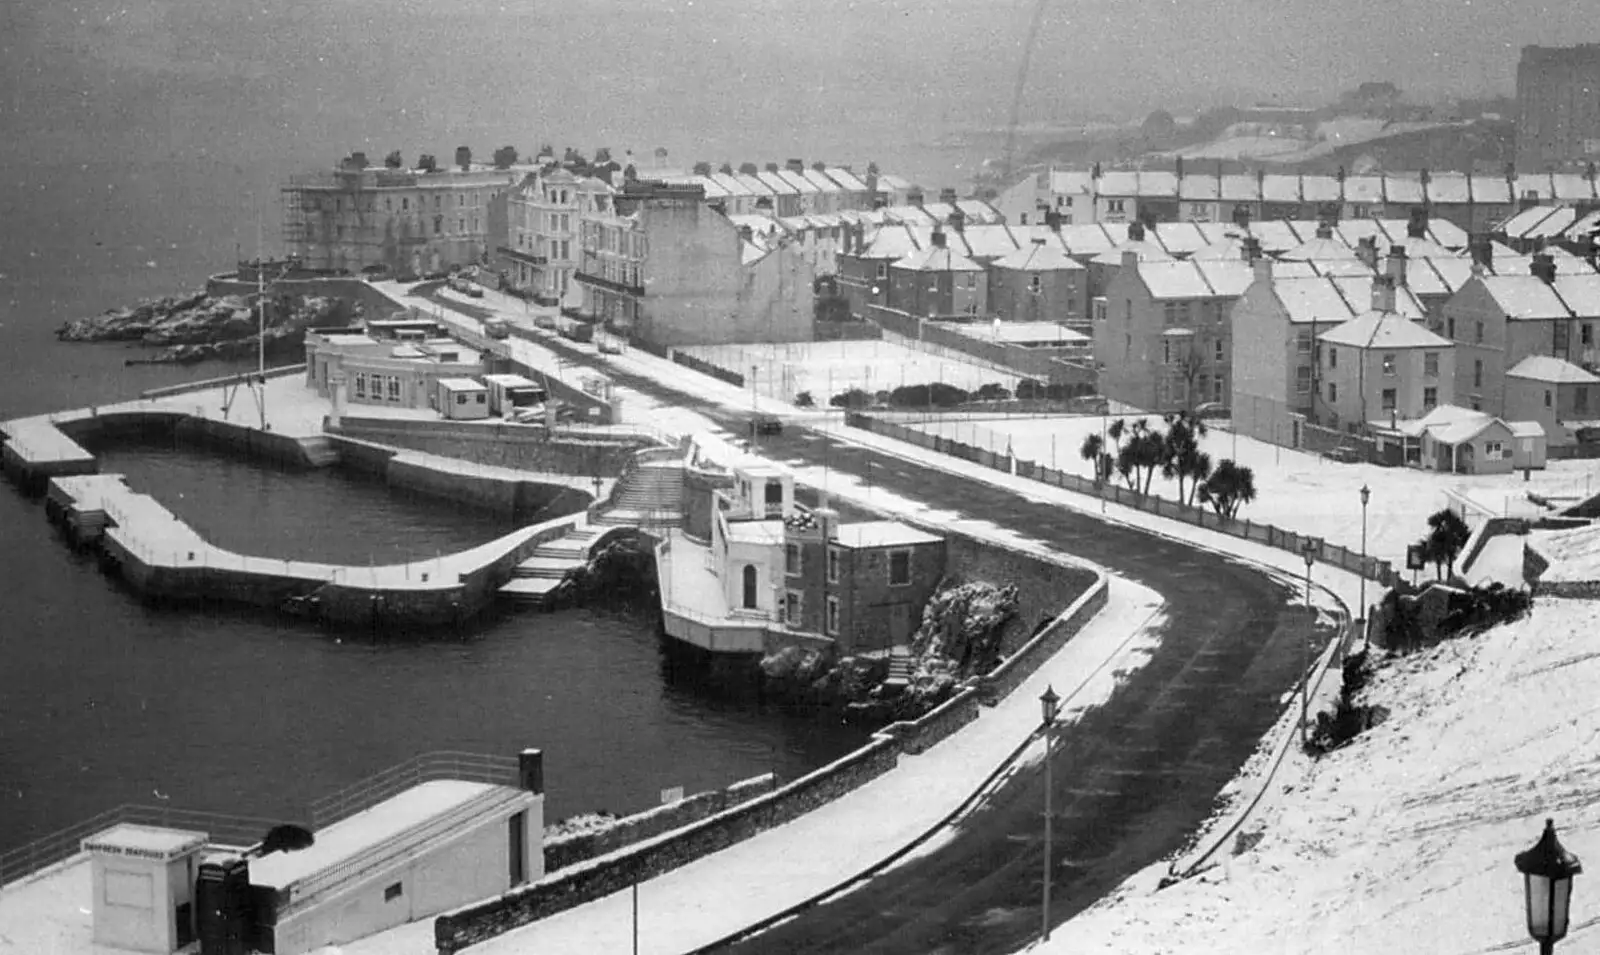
[(162, 558)]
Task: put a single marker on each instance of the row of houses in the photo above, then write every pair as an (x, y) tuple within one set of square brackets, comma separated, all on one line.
[(1472, 202)]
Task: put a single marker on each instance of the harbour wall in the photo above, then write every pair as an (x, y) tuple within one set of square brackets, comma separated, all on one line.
[(516, 446)]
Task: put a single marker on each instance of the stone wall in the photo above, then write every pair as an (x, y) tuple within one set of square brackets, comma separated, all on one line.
[(1570, 589), (1043, 587), (1020, 665), (563, 851), (521, 447), (584, 882), (920, 734)]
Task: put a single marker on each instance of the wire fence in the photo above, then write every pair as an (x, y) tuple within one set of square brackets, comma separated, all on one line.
[(825, 370)]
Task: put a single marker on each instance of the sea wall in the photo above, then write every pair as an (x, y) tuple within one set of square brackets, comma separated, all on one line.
[(520, 447), (601, 876), (162, 425), (563, 851)]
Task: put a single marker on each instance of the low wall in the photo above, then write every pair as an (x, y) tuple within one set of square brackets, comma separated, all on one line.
[(1020, 665), (1570, 589), (1333, 554), (707, 368), (563, 851), (575, 885), (918, 735), (236, 439), (519, 447), (911, 332), (1041, 584)]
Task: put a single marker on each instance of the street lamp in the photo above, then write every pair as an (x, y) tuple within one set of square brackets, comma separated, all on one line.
[(1308, 548), (1366, 495), (1049, 704), (1547, 870)]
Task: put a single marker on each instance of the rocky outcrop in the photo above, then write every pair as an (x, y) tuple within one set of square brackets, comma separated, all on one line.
[(196, 326)]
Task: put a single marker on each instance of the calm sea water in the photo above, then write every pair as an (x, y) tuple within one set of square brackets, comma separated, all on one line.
[(141, 149)]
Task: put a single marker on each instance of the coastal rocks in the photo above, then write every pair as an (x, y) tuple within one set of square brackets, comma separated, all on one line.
[(196, 327)]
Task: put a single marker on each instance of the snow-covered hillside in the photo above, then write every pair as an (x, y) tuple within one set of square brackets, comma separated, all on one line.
[(1405, 837)]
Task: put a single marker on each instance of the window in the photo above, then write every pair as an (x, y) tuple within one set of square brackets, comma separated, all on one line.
[(1333, 357), (361, 384), (1113, 205), (1480, 332), (899, 568), (1547, 401), (438, 224), (1221, 351), (461, 399), (792, 559), (1333, 392), (1450, 324), (1430, 364), (1024, 218), (461, 225), (1170, 313), (1477, 404), (883, 270), (792, 605), (972, 280), (393, 892), (461, 200), (1430, 398), (1388, 363), (1303, 342), (1586, 334), (1477, 373), (1302, 379), (1389, 400), (1127, 310), (832, 622), (1221, 387), (749, 586), (394, 388), (1561, 337), (1099, 309), (1166, 351), (1493, 449), (1580, 398), (834, 560), (1034, 283), (436, 201)]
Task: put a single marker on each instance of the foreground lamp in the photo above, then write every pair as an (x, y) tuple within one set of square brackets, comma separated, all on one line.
[(1547, 870), (1366, 626), (1308, 548), (1049, 706)]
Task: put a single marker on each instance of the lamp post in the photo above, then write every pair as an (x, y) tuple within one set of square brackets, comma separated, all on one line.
[(1049, 704), (1308, 549), (1547, 870), (1366, 495)]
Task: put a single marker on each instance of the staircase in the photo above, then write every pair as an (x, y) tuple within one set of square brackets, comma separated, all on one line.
[(543, 570), (320, 451), (650, 495), (900, 668)]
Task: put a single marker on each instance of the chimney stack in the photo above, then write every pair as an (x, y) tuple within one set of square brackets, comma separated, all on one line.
[(947, 195), (1417, 228), (797, 165), (1262, 266), (1382, 293), (1040, 241), (1241, 216), (1367, 251), (772, 167), (1324, 229), (958, 220), (1544, 266), (358, 160), (530, 770), (938, 238), (463, 157), (1179, 169), (1136, 231), (1396, 266), (1052, 221), (1130, 259), (1251, 249), (746, 233), (1480, 247), (914, 196)]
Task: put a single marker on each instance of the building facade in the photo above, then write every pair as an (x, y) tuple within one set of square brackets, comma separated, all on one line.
[(1563, 398), (1558, 107), (545, 213), (412, 221), (938, 281), (663, 267), (1039, 283), (1165, 343), (1382, 367)]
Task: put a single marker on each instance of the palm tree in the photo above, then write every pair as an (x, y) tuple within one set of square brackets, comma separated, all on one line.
[(1094, 450), (1447, 535), (1229, 486)]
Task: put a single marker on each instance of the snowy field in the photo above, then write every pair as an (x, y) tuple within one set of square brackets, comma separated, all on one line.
[(1407, 834), (827, 368), (1294, 490)]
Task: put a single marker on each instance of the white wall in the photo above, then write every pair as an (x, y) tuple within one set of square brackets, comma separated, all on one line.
[(474, 863)]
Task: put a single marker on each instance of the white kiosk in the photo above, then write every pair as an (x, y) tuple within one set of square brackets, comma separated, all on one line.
[(144, 886)]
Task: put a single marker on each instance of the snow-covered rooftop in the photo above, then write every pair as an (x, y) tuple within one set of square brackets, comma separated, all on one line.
[(883, 534), (1384, 330), (1552, 370)]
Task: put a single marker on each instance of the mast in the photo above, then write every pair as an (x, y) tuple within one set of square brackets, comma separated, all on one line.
[(261, 329)]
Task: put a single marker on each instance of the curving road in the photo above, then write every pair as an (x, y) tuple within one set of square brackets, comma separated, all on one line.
[(1134, 778)]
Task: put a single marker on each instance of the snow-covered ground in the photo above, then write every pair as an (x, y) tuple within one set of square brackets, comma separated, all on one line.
[(825, 369), (1573, 554), (1294, 490), (1404, 839)]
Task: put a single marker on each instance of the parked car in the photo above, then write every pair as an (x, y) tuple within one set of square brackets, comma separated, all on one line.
[(761, 424), (545, 321), (610, 345), (496, 328), (1211, 411)]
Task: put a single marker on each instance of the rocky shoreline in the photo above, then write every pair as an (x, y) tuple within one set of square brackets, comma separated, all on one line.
[(197, 326)]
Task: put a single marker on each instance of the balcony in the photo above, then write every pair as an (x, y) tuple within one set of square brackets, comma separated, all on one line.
[(519, 255), (609, 285)]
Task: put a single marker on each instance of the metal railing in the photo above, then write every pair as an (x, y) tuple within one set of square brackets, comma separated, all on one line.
[(220, 828), (446, 764)]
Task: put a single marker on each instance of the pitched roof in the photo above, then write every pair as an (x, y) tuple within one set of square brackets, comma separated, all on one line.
[(1040, 255), (775, 182), (821, 182), (1383, 330), (845, 178), (980, 212), (908, 214), (891, 242), (1550, 369), (937, 259), (987, 241), (1187, 279), (1319, 248), (1525, 297), (1147, 251), (1581, 292), (799, 181), (754, 185), (1178, 238)]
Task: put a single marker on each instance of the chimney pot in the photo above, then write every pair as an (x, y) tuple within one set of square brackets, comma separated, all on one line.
[(1041, 242), (1382, 293), (938, 238), (1544, 266)]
